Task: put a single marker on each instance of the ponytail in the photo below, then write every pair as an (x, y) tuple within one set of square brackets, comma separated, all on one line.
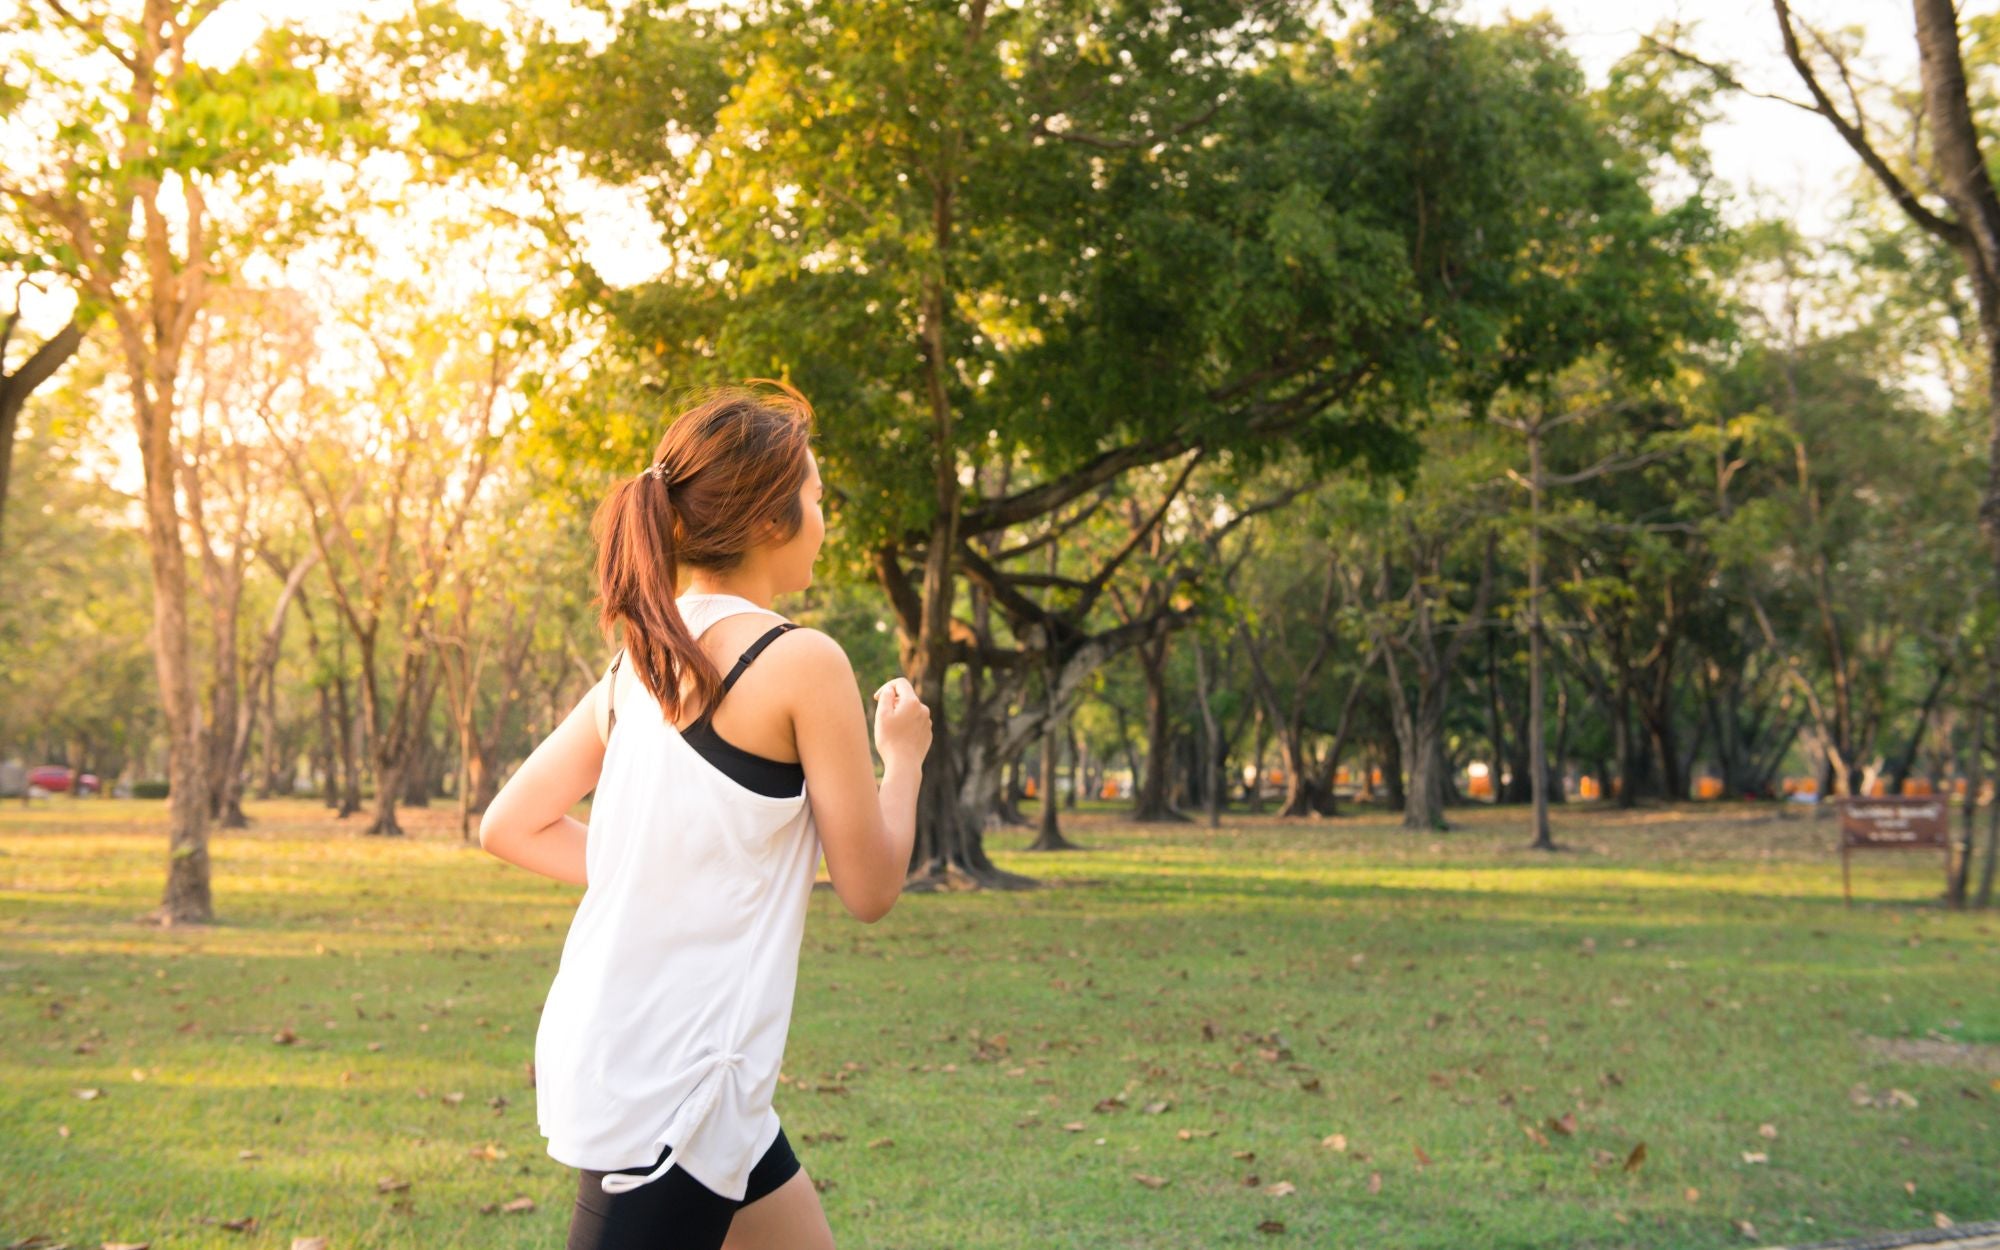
[(726, 471)]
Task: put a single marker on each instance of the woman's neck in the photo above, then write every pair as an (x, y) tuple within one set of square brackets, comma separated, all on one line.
[(759, 595)]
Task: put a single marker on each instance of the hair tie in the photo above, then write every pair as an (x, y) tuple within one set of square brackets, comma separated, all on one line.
[(657, 471)]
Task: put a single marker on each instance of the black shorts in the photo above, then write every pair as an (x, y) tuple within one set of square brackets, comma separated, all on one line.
[(675, 1212)]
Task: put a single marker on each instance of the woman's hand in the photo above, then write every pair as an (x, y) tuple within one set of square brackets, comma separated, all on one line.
[(902, 724)]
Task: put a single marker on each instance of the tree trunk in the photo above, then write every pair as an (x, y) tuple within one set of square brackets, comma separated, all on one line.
[(1899, 772), (1395, 792), (270, 745), (1631, 762), (1496, 722), (1211, 744), (1150, 803), (1968, 185), (391, 775), (1959, 870), (1423, 805), (1292, 750), (1076, 769), (328, 750), (187, 895), (1253, 790), (1048, 830), (350, 752), (1559, 765)]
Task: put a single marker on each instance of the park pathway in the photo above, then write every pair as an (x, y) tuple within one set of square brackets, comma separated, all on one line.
[(1981, 1236)]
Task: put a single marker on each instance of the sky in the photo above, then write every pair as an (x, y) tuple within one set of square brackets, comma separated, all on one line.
[(1792, 159)]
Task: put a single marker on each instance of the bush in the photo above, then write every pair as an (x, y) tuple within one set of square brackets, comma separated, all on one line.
[(149, 789)]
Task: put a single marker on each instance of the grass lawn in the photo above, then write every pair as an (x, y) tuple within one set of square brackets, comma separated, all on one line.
[(1300, 1033)]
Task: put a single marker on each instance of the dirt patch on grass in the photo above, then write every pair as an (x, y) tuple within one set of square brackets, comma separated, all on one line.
[(1973, 1056)]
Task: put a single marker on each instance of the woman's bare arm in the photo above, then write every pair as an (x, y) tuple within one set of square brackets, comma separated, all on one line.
[(866, 828), (528, 822)]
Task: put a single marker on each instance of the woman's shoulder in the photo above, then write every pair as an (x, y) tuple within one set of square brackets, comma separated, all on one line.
[(807, 651)]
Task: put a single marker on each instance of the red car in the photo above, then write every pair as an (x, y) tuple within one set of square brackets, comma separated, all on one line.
[(57, 779)]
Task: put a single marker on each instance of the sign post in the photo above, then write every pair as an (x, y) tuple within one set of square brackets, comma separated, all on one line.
[(1892, 824)]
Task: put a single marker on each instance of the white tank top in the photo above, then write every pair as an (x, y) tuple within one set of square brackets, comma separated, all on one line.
[(667, 1019)]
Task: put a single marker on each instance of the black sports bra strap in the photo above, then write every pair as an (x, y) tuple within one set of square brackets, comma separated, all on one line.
[(751, 653), (742, 662), (611, 695)]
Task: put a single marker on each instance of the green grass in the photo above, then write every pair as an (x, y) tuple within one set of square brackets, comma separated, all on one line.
[(1680, 978)]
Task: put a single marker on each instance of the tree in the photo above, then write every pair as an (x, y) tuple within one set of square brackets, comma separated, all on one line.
[(957, 222), (439, 411), (1932, 163), (248, 354), (161, 178)]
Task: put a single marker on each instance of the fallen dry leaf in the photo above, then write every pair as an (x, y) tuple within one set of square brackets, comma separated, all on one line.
[(1281, 1189), (1271, 1226), (1755, 1156), (519, 1206), (1374, 1182), (1334, 1141), (1637, 1157), (1150, 1182), (1564, 1124), (1768, 1132), (308, 1243)]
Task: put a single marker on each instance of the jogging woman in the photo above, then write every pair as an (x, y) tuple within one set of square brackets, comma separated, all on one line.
[(659, 1045)]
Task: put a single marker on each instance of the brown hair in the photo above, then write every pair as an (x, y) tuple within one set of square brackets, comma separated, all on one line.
[(732, 461)]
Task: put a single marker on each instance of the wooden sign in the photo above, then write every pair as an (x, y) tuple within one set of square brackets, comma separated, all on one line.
[(1899, 823)]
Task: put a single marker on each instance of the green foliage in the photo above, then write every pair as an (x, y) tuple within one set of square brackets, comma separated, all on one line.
[(1125, 230)]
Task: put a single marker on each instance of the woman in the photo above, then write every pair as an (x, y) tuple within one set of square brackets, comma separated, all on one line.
[(659, 1045)]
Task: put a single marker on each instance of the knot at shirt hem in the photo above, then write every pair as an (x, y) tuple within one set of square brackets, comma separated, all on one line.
[(685, 1120)]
